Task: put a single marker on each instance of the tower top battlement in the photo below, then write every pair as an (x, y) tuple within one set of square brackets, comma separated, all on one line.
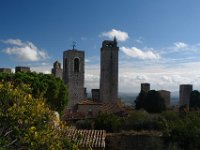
[(109, 43)]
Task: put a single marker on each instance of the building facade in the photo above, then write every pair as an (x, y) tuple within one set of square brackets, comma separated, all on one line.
[(109, 71), (73, 75), (184, 94), (57, 70)]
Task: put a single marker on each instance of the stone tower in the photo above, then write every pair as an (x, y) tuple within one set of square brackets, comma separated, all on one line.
[(73, 75), (145, 87), (166, 96), (184, 94), (109, 71), (57, 71)]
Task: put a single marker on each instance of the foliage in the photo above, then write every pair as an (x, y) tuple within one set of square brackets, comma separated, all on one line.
[(194, 99), (27, 122), (108, 122), (150, 101), (42, 85), (142, 121), (85, 124), (184, 130), (140, 100)]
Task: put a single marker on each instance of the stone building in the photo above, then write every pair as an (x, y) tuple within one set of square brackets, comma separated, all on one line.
[(22, 69), (166, 96), (145, 87), (57, 70), (95, 95), (5, 70), (89, 108), (184, 94), (109, 71), (73, 75)]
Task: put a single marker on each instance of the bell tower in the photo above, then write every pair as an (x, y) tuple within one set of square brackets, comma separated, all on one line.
[(73, 74)]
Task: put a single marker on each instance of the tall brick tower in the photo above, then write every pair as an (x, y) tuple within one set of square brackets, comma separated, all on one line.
[(109, 71), (73, 74)]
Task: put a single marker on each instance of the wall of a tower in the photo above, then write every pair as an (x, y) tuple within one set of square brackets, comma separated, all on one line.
[(166, 95), (145, 87), (73, 75), (109, 72), (57, 70), (184, 94)]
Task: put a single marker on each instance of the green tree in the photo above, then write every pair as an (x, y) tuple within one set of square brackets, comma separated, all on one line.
[(140, 100), (27, 122), (195, 99), (108, 122), (154, 103), (184, 130), (151, 101), (141, 120), (42, 85)]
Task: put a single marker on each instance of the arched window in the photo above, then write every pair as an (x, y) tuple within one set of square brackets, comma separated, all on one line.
[(76, 65)]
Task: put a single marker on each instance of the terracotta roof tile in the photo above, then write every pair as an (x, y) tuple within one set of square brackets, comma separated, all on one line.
[(88, 138)]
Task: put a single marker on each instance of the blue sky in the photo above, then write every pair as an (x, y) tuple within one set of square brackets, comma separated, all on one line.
[(159, 40)]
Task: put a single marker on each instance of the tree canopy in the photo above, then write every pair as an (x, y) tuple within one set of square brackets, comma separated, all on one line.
[(140, 100), (195, 99), (27, 122), (41, 85), (151, 101)]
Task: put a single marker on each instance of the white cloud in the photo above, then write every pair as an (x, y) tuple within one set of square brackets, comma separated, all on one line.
[(92, 75), (24, 51), (120, 35), (138, 53), (165, 74), (46, 69), (42, 67), (180, 45), (17, 42), (158, 75)]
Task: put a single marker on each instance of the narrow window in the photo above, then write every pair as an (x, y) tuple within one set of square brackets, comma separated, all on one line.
[(76, 65)]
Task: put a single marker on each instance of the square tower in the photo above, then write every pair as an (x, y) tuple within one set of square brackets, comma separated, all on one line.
[(109, 71), (57, 70), (73, 75), (184, 94)]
